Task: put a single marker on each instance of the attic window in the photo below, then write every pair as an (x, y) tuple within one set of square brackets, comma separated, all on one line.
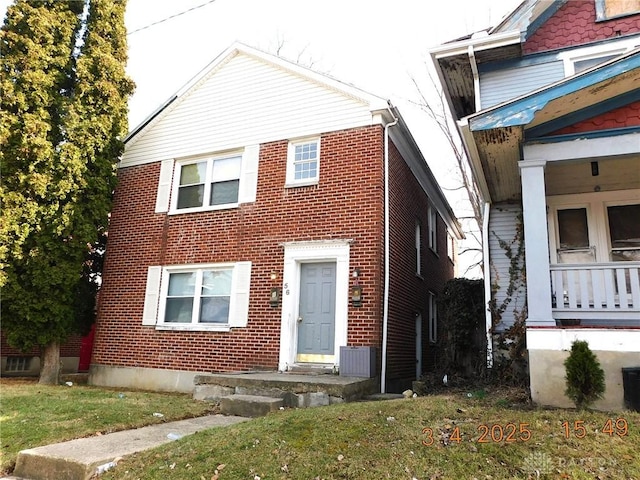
[(608, 9)]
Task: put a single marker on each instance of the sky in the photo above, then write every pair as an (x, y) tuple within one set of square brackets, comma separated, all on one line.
[(379, 46)]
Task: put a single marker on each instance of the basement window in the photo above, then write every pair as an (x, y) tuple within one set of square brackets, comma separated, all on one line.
[(18, 364)]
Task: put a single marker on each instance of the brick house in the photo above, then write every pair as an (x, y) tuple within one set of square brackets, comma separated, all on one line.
[(547, 105), (248, 233), (15, 362)]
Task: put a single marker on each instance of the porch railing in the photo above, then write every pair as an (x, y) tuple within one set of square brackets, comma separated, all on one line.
[(596, 291)]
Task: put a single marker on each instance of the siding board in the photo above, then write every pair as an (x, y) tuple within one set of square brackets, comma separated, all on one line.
[(502, 85), (502, 226), (245, 102)]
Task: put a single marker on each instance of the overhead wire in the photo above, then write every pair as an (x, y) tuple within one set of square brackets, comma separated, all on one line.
[(170, 17)]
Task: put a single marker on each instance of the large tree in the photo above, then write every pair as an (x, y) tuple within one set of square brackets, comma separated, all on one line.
[(63, 116)]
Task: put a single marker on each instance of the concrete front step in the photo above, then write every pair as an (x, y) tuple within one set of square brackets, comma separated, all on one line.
[(297, 390), (249, 405)]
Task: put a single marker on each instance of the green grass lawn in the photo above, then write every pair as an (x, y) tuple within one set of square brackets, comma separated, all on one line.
[(33, 415), (447, 436), (435, 437)]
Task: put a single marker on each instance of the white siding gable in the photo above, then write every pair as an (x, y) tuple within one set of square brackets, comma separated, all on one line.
[(244, 101)]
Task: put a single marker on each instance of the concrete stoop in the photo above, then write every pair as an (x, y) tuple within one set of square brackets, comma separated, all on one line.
[(250, 405), (263, 392), (82, 458)]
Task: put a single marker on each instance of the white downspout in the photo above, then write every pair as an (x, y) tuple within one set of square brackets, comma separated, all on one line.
[(476, 77), (385, 301), (487, 282)]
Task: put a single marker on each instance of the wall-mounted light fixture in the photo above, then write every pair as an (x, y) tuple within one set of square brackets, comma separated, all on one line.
[(274, 296), (356, 289)]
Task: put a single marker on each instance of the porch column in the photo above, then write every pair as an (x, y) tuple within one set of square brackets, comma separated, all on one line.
[(534, 211)]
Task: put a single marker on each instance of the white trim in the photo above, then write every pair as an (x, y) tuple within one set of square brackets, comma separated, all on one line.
[(600, 339), (569, 58), (583, 148), (165, 181), (296, 253), (152, 296)]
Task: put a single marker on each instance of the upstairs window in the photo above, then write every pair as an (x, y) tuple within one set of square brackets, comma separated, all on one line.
[(418, 240), (303, 162), (207, 183), (433, 229)]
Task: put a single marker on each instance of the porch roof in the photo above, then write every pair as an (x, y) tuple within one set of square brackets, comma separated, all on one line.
[(496, 136)]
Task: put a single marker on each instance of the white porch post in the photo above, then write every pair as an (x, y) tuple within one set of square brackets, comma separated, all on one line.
[(534, 213)]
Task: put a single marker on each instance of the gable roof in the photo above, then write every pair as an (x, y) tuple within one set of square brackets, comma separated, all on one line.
[(495, 136), (374, 102)]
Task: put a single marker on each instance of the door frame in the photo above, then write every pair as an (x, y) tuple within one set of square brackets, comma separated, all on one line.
[(295, 254)]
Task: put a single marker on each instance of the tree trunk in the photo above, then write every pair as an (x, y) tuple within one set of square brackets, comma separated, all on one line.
[(50, 364)]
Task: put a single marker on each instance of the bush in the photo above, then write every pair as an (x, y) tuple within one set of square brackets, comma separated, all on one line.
[(584, 377)]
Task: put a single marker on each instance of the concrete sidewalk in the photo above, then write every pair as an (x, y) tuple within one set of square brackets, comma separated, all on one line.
[(81, 459)]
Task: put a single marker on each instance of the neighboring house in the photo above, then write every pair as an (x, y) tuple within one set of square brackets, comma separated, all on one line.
[(548, 107), (248, 233), (75, 354)]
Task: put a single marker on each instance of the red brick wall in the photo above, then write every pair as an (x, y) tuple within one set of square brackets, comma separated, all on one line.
[(346, 204), (627, 116), (408, 293), (575, 24), (69, 349)]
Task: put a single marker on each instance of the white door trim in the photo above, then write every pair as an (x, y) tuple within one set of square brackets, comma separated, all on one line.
[(296, 253)]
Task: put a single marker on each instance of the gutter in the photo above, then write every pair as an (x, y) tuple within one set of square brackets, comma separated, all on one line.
[(486, 264), (385, 301)]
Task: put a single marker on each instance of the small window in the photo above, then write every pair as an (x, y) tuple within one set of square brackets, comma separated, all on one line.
[(209, 183), (582, 65), (433, 229), (624, 232), (418, 245), (433, 318), (303, 163), (18, 364), (200, 296)]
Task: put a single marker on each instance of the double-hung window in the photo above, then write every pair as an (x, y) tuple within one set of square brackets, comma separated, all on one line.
[(207, 183), (199, 296), (212, 296), (433, 229), (303, 162)]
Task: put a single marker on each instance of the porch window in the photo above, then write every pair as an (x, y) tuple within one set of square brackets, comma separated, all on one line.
[(624, 232), (573, 236)]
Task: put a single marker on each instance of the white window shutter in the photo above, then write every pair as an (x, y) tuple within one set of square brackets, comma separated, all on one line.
[(239, 305), (164, 186), (151, 296), (249, 174)]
